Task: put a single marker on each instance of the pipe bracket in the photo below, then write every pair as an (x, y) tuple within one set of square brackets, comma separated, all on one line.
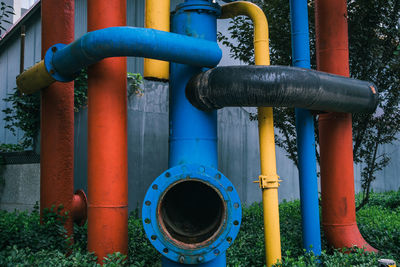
[(268, 181)]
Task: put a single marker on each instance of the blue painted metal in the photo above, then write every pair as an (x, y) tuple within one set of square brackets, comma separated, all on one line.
[(219, 261), (209, 176), (129, 41), (193, 146), (193, 133), (305, 134)]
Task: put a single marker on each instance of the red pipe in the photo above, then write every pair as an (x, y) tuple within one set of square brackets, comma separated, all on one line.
[(107, 140), (335, 132), (57, 120)]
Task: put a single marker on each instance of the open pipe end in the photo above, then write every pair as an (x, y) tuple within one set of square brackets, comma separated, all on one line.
[(34, 79), (191, 213)]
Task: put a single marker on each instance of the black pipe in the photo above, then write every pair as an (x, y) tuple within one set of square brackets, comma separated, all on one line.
[(279, 86)]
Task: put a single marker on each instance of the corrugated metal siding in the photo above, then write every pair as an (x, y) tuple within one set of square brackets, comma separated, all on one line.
[(10, 52), (3, 90), (135, 18), (9, 68), (80, 18)]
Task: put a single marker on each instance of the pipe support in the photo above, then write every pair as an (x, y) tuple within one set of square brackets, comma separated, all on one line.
[(335, 132), (268, 182), (265, 128), (156, 17)]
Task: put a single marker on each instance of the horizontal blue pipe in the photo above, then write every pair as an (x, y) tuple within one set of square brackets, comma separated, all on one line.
[(135, 42)]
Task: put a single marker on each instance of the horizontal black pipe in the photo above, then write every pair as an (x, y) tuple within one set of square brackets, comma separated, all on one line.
[(280, 86)]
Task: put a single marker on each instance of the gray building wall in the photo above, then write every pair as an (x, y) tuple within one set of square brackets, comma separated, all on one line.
[(148, 131)]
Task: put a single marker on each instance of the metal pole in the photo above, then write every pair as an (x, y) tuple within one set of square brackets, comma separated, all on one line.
[(107, 140), (57, 121), (193, 133), (305, 134), (335, 132), (22, 51), (156, 17)]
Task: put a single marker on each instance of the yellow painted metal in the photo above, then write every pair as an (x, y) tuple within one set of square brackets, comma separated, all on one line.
[(34, 79), (157, 17), (269, 180)]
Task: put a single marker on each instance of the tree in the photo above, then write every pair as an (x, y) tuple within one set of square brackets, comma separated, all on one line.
[(6, 13), (374, 35)]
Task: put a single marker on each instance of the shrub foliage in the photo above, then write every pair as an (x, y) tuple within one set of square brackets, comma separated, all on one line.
[(26, 242)]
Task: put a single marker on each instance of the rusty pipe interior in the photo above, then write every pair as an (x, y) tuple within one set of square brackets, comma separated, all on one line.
[(191, 213)]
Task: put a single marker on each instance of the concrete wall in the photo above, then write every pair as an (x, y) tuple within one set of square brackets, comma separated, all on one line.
[(20, 189)]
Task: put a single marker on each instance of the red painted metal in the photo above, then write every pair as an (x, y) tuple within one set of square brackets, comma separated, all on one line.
[(57, 120), (335, 130), (107, 140)]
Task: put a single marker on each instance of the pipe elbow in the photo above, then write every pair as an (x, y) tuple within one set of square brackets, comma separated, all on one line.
[(244, 8), (79, 207), (260, 22), (346, 236)]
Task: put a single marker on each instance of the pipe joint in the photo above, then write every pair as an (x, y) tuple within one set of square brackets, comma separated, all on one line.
[(268, 181), (199, 6), (51, 68), (191, 213), (79, 207)]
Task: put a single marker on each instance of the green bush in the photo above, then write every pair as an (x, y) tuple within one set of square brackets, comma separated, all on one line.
[(26, 242), (141, 252), (24, 230)]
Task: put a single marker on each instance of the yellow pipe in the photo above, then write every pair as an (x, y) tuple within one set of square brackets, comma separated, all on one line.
[(156, 17), (268, 180), (34, 79)]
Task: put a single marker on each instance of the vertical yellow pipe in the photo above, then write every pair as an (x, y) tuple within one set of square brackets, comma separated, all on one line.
[(268, 180), (157, 17)]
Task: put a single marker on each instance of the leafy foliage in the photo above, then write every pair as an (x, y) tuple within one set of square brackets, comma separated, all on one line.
[(374, 38), (141, 252), (24, 114), (26, 242), (6, 13), (24, 110), (135, 80)]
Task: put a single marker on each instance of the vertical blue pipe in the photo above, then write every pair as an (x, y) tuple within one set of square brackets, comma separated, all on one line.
[(305, 134), (193, 133)]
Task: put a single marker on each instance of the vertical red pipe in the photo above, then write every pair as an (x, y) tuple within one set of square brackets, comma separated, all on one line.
[(107, 140), (57, 116), (335, 130)]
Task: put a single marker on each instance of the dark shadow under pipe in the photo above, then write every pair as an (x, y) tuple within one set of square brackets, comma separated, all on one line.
[(279, 86)]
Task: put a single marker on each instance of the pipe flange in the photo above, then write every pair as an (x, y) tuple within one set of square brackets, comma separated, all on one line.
[(79, 207), (169, 231), (48, 61), (199, 6)]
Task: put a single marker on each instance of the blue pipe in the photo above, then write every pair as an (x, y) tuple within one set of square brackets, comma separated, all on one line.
[(193, 133), (192, 213), (305, 134), (63, 61)]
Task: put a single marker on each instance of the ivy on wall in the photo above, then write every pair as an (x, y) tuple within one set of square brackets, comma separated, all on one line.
[(24, 110)]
